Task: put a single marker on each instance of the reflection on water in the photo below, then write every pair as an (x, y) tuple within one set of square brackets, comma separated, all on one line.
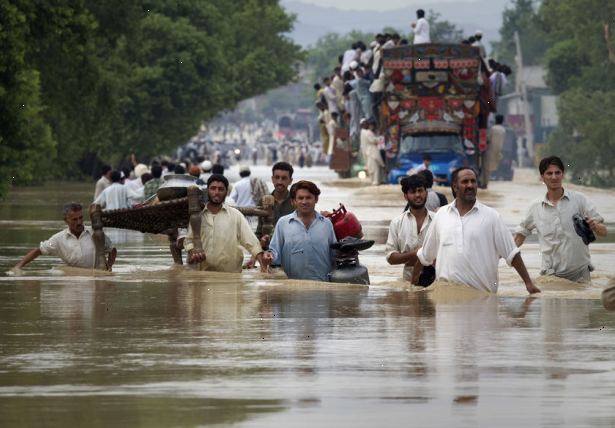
[(152, 345)]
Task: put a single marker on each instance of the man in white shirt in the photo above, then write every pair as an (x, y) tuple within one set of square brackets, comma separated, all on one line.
[(74, 245), (420, 28), (104, 181), (116, 196), (564, 254), (491, 158), (241, 195), (468, 239), (223, 229), (373, 162), (407, 231)]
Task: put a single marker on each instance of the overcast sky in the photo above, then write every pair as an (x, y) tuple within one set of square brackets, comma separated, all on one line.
[(373, 5)]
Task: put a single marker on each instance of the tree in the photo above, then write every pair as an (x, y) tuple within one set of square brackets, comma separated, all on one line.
[(579, 69), (443, 31), (521, 17)]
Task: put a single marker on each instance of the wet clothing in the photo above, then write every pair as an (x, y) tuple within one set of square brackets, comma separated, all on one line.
[(467, 249), (563, 252), (78, 252), (304, 253), (405, 236), (221, 236)]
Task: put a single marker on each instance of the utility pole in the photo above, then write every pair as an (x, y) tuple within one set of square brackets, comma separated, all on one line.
[(522, 89)]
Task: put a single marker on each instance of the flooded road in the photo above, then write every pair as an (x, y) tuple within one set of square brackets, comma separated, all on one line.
[(152, 345)]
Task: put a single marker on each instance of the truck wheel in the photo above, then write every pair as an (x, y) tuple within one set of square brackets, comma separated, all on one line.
[(343, 174)]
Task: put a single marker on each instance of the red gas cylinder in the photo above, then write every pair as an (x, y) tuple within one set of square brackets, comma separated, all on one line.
[(345, 223)]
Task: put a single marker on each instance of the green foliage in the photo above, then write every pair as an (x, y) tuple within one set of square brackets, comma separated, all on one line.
[(586, 137), (114, 77), (521, 16), (578, 68), (25, 138), (443, 31)]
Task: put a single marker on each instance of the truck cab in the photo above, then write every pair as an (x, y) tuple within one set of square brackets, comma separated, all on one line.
[(446, 151)]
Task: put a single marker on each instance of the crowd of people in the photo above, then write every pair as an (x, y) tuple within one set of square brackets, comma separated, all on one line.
[(460, 242), (350, 97)]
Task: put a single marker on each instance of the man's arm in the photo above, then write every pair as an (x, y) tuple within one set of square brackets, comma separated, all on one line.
[(517, 263), (519, 239), (407, 257), (32, 254)]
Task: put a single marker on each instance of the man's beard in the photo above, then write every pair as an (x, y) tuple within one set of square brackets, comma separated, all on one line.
[(415, 206)]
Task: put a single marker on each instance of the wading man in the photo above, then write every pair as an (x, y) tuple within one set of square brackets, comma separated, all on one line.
[(301, 241), (74, 245), (223, 230), (564, 254), (407, 231), (468, 239)]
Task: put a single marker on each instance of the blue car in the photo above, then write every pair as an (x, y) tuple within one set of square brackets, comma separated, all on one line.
[(446, 151)]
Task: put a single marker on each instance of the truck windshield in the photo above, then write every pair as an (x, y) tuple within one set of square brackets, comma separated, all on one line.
[(432, 143)]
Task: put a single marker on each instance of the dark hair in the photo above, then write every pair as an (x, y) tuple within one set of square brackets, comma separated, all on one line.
[(458, 170), (412, 183), (548, 161), (156, 171), (217, 177), (283, 166), (305, 185), (105, 169), (116, 176), (217, 169), (71, 207), (426, 156), (317, 86), (146, 177), (179, 169), (245, 173), (420, 13), (428, 176), (499, 119)]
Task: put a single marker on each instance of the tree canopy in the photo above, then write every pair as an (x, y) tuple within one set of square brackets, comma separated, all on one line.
[(109, 78)]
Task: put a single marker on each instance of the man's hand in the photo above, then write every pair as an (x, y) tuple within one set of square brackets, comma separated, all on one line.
[(265, 241), (531, 288), (596, 227), (196, 256)]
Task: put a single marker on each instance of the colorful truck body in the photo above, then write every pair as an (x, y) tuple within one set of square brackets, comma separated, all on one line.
[(437, 99)]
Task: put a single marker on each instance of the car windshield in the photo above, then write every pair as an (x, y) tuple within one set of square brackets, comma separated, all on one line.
[(432, 143)]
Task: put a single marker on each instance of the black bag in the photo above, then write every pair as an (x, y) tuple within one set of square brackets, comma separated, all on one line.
[(582, 229)]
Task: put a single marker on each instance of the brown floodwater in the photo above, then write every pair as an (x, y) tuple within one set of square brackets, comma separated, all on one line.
[(153, 345)]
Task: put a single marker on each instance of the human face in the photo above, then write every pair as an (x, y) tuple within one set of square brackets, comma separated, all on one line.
[(216, 191), (553, 177), (281, 180), (465, 186), (304, 202), (74, 220), (416, 197)]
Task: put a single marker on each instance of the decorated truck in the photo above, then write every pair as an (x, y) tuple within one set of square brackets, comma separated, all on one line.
[(437, 99)]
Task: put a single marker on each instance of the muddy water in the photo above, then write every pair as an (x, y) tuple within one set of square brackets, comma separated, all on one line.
[(152, 345)]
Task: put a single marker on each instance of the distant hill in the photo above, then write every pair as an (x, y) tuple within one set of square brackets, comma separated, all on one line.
[(315, 21)]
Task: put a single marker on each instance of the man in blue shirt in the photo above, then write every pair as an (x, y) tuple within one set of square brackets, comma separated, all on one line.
[(301, 240)]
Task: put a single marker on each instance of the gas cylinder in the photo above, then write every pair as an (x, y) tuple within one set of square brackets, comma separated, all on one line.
[(345, 223)]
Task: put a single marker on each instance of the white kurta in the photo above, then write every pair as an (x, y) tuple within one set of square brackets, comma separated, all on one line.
[(405, 236), (421, 32), (78, 252), (467, 249)]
